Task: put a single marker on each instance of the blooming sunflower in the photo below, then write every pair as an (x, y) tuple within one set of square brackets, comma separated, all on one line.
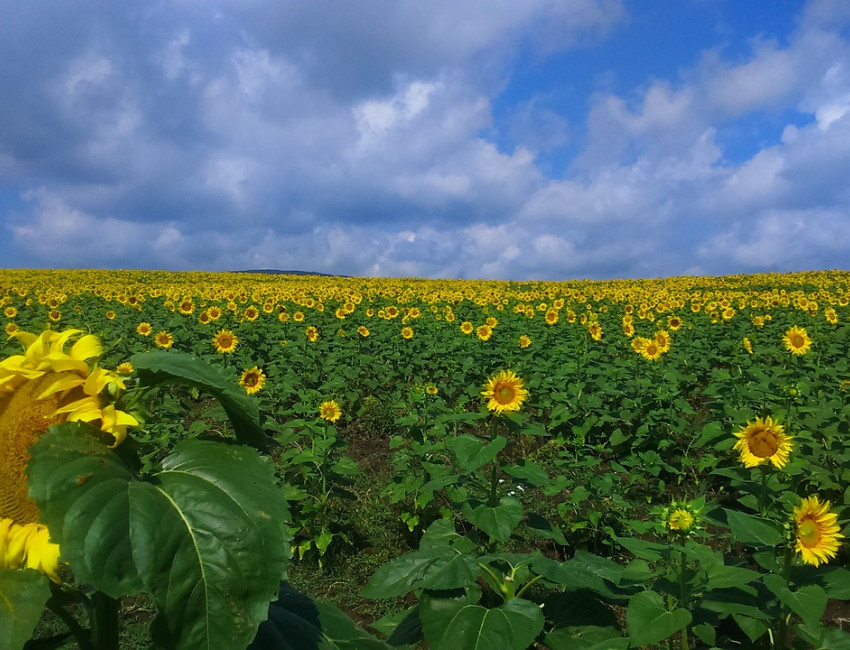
[(225, 341), (363, 331), (651, 350), (466, 327), (797, 341), (252, 380), (164, 340), (431, 389), (762, 441), (524, 341), (144, 329), (41, 387), (312, 334), (10, 312), (504, 392), (748, 345), (407, 333), (330, 411), (484, 332), (817, 533)]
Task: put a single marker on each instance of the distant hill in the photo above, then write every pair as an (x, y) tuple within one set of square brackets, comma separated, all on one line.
[(279, 272)]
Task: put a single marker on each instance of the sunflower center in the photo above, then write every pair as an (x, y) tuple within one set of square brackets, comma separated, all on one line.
[(797, 340), (763, 443), (504, 394), (251, 380), (808, 532)]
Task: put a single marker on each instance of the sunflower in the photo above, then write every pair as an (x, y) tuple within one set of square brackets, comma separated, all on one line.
[(251, 313), (312, 334), (663, 340), (551, 317), (10, 312), (144, 329), (164, 340), (651, 350), (817, 533), (252, 380), (748, 345), (45, 386), (204, 318), (595, 330), (761, 441), (363, 331), (680, 520), (225, 341), (831, 316), (431, 389), (466, 327), (504, 392), (524, 341), (797, 341), (484, 332), (491, 322), (638, 344), (330, 411), (214, 312), (55, 315), (298, 316), (110, 315), (125, 368), (674, 323), (407, 333), (11, 328), (186, 306)]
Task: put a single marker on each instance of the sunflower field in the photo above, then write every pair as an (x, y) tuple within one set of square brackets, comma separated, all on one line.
[(222, 460)]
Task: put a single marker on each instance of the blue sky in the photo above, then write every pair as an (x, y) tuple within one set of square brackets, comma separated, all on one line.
[(540, 139)]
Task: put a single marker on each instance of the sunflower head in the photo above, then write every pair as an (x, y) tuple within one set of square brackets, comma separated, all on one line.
[(225, 341), (252, 380), (504, 392), (330, 411), (763, 441), (816, 531), (797, 341)]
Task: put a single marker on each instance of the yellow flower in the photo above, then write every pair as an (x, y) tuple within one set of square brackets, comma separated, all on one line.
[(651, 350), (484, 332), (797, 341), (363, 331), (466, 327), (762, 441), (144, 329), (41, 387), (748, 346), (817, 533), (312, 334), (330, 411), (680, 520), (504, 392), (407, 333), (125, 368), (164, 340), (252, 380), (524, 341), (225, 341), (430, 389)]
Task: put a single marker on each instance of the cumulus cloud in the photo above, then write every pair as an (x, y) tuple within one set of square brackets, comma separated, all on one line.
[(246, 135)]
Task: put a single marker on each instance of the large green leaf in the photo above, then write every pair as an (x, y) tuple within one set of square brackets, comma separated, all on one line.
[(81, 488), (808, 602), (497, 521), (430, 568), (453, 624), (755, 531), (23, 595), (209, 539), (297, 622), (168, 367), (472, 452), (650, 622)]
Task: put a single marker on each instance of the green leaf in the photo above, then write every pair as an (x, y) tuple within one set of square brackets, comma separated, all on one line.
[(529, 472), (209, 540), (430, 568), (721, 576), (472, 452), (809, 602), (499, 521), (23, 595), (644, 549), (650, 622), (453, 624), (168, 367), (81, 488), (755, 531), (297, 622)]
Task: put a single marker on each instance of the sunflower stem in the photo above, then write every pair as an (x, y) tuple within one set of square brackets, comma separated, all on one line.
[(104, 624), (783, 609), (683, 595), (80, 633)]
